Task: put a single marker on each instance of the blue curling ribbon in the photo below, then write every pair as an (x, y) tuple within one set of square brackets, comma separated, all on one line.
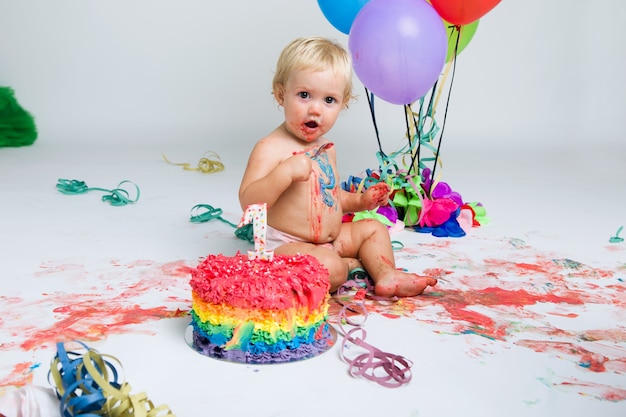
[(88, 385)]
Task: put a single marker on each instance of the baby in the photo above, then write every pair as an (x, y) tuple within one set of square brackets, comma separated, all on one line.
[(293, 170)]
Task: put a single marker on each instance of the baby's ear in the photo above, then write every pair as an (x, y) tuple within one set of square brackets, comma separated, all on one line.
[(279, 94)]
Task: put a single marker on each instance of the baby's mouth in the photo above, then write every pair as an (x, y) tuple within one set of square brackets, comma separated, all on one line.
[(311, 125)]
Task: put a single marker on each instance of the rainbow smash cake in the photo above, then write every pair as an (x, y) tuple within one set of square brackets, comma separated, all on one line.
[(260, 311)]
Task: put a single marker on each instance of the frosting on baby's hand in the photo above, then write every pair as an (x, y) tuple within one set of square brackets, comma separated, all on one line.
[(376, 195)]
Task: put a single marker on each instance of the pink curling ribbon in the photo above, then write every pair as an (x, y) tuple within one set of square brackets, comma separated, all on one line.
[(386, 369), (257, 215)]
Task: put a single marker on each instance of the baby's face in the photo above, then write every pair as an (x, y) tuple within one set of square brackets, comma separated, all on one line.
[(312, 101)]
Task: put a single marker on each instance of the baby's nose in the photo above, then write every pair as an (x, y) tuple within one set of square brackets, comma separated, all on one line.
[(315, 108)]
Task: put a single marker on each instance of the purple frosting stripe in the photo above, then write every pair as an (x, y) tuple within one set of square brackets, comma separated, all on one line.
[(304, 351)]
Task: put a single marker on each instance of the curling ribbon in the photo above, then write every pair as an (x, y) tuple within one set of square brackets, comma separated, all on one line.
[(210, 214), (386, 369), (617, 238), (89, 385), (205, 164), (244, 232), (116, 197)]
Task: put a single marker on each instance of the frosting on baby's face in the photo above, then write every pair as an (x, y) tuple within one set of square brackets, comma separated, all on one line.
[(312, 101)]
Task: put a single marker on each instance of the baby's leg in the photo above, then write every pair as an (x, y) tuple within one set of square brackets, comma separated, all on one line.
[(369, 241), (337, 267)]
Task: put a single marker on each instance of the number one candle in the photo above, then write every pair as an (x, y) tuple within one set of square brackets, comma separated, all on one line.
[(257, 215)]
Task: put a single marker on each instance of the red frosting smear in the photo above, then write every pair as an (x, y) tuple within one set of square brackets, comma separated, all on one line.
[(287, 281)]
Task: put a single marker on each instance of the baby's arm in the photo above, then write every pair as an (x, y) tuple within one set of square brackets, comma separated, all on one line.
[(375, 196), (263, 182)]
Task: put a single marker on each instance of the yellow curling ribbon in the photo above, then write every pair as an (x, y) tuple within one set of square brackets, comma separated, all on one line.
[(208, 164), (88, 384), (443, 83)]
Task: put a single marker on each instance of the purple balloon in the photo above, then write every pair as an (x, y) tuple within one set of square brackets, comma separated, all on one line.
[(398, 48)]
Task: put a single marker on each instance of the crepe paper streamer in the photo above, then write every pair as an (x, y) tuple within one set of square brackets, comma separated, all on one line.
[(617, 238), (372, 214), (480, 214), (205, 165), (17, 126), (386, 369), (257, 215), (88, 384), (244, 232), (116, 197)]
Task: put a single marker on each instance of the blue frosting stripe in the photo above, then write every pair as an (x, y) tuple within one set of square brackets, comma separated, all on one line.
[(259, 346), (303, 351)]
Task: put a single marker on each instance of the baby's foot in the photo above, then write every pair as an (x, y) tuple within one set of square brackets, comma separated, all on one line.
[(402, 284)]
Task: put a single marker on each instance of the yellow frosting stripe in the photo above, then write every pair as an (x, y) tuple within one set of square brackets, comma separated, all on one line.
[(270, 321)]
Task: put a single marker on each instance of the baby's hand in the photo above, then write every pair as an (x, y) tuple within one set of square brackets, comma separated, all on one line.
[(298, 166), (376, 195)]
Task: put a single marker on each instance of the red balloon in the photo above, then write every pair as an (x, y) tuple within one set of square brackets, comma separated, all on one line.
[(463, 12)]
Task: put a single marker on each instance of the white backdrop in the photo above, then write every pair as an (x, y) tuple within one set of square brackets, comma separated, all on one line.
[(537, 73), (538, 91)]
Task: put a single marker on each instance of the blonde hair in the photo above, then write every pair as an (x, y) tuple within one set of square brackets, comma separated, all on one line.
[(316, 54)]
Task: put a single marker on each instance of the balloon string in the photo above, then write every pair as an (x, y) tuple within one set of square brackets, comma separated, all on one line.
[(418, 124), (445, 115), (415, 153), (453, 30), (116, 197), (205, 165), (370, 101)]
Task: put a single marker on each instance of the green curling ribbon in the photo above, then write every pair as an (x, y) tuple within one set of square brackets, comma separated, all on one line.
[(245, 232), (617, 238), (211, 213), (408, 195), (116, 197), (397, 245)]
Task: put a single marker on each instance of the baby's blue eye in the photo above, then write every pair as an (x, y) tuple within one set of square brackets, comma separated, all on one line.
[(330, 100), (303, 94)]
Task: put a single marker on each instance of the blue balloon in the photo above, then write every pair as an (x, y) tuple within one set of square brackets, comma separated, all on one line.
[(341, 13)]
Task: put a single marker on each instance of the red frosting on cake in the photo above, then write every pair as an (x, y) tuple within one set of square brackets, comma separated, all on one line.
[(285, 282)]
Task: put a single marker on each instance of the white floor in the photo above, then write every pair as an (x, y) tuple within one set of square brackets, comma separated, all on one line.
[(528, 318)]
